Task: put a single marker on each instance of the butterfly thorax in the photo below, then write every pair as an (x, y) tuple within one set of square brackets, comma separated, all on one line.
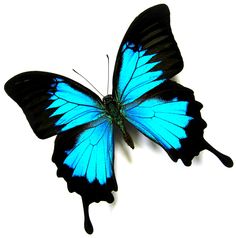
[(113, 112)]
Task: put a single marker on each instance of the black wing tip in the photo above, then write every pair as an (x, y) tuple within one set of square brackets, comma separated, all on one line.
[(11, 85), (160, 12), (7, 87), (162, 9)]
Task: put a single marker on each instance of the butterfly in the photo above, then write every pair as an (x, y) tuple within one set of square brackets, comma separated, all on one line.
[(143, 95)]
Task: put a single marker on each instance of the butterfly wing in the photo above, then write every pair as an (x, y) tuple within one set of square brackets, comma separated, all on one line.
[(170, 116), (84, 157), (84, 146), (148, 55), (53, 103), (164, 111)]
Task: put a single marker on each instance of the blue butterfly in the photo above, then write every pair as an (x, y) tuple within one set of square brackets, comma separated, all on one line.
[(143, 95)]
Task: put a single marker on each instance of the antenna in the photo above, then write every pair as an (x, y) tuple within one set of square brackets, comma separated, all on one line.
[(87, 81), (108, 73)]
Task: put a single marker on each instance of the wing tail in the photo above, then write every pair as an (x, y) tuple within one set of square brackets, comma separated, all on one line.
[(225, 160)]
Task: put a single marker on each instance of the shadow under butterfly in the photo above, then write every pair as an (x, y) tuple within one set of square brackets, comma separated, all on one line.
[(143, 95)]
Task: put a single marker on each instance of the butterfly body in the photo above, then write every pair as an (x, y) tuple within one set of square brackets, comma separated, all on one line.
[(115, 114), (143, 95)]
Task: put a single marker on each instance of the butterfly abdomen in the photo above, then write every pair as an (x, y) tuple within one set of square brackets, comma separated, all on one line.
[(113, 112)]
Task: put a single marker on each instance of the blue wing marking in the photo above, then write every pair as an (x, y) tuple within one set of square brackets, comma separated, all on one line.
[(136, 76), (73, 107), (92, 154), (162, 121)]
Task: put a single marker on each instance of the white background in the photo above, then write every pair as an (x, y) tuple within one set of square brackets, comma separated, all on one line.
[(156, 197)]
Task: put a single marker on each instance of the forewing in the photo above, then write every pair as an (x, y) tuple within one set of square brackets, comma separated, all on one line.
[(170, 116), (148, 55), (53, 103)]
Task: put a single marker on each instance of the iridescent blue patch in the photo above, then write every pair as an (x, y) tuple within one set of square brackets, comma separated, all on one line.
[(162, 121), (137, 75), (73, 107), (92, 154)]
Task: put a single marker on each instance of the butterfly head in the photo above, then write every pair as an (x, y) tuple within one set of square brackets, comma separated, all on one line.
[(108, 99)]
